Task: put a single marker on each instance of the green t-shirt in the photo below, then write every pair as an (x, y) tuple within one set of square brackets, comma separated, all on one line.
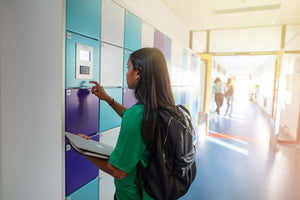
[(130, 149)]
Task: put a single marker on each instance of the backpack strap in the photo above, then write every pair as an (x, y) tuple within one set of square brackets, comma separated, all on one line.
[(189, 116), (139, 179)]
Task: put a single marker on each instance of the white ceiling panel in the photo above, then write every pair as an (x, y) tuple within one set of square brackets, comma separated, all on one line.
[(216, 14)]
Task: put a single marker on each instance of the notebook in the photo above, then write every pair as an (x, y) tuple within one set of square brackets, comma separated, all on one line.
[(89, 147)]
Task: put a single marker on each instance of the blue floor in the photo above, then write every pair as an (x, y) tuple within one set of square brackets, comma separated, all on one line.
[(235, 162)]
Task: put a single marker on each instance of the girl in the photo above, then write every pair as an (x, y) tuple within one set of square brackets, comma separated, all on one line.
[(148, 76)]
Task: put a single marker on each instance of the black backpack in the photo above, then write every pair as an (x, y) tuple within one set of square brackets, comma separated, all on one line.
[(172, 166)]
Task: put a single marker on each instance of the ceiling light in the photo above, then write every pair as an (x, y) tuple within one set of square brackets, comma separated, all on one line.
[(247, 9)]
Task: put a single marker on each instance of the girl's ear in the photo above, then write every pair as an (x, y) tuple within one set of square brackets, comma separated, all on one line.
[(138, 73), (137, 76)]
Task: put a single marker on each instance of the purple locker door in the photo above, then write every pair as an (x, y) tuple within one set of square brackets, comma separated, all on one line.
[(81, 111), (159, 40), (79, 170), (129, 98)]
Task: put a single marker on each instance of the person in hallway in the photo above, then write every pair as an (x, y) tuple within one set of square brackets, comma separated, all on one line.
[(219, 93), (148, 76), (229, 96)]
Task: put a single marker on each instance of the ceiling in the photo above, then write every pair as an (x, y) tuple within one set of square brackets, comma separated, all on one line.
[(218, 14), (226, 14)]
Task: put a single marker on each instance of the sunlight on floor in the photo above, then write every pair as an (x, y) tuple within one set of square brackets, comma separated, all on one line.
[(225, 136), (213, 137)]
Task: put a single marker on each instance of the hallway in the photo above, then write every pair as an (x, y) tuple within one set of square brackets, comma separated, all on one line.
[(235, 163)]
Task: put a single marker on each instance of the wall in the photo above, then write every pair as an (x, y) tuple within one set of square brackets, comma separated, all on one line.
[(31, 99), (239, 40), (265, 77), (290, 102)]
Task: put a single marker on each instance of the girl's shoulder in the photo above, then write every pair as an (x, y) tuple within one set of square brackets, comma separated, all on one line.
[(136, 109)]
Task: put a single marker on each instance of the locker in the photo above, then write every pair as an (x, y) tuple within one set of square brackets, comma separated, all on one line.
[(159, 40), (83, 17), (189, 59), (147, 35), (180, 77), (89, 191), (176, 54), (133, 31), (112, 23), (187, 95), (194, 62), (79, 170), (106, 187), (72, 40), (167, 48), (125, 67), (111, 66), (183, 96), (184, 58), (174, 93), (178, 96), (172, 71), (110, 137), (129, 98), (108, 117), (81, 111)]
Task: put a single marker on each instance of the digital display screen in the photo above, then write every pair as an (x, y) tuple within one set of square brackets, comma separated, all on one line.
[(85, 55), (84, 69)]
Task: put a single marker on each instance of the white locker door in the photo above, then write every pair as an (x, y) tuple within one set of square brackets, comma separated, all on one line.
[(147, 35), (112, 24), (111, 74), (110, 137), (176, 54), (106, 183), (106, 187)]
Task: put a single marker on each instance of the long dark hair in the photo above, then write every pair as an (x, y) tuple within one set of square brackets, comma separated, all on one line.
[(153, 88)]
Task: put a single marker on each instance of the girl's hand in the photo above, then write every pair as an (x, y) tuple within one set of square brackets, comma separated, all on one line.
[(99, 91), (84, 136)]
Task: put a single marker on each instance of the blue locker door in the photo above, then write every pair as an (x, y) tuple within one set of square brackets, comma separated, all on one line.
[(81, 111), (185, 58), (167, 48), (79, 170), (132, 32), (108, 117), (71, 40), (83, 17), (178, 95), (90, 191)]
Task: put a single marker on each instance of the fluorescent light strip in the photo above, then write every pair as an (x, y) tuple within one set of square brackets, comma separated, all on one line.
[(247, 9)]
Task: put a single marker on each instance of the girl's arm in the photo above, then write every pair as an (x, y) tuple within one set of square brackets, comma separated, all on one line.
[(105, 166), (101, 94)]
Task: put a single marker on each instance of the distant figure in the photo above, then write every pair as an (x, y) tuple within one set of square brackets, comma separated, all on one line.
[(229, 97), (219, 93)]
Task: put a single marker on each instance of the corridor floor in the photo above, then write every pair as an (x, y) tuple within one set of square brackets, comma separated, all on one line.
[(235, 162)]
